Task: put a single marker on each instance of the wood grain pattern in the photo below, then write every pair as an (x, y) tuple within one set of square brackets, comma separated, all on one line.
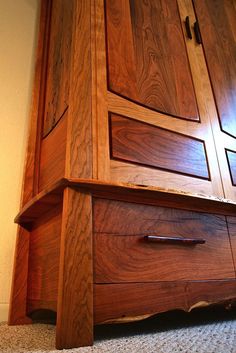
[(44, 252), (79, 159), (75, 294), (18, 301), (147, 60), (232, 233), (101, 121), (58, 65), (231, 158), (30, 185), (53, 195), (207, 107), (123, 255), (148, 145), (217, 21), (53, 155), (110, 303)]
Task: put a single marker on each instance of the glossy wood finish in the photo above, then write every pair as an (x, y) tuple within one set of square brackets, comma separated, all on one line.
[(18, 301), (58, 65), (147, 59), (53, 155), (30, 184), (118, 171), (232, 232), (75, 292), (79, 159), (231, 157), (128, 302), (217, 21), (123, 255), (44, 252), (53, 195), (148, 145), (71, 165)]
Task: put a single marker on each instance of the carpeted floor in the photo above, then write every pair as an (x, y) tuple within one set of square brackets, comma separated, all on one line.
[(207, 331)]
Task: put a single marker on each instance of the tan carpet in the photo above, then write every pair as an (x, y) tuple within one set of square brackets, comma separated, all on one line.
[(172, 333)]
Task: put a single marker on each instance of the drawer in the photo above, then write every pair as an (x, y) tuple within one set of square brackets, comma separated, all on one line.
[(123, 253)]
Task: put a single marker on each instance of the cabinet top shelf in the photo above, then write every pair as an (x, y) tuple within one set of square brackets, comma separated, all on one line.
[(52, 196)]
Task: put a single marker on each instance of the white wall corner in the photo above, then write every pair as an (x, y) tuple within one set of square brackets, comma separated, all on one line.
[(4, 308)]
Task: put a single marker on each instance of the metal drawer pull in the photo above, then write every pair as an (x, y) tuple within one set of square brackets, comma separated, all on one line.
[(173, 240)]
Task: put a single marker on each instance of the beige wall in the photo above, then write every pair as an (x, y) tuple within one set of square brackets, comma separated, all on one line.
[(18, 27)]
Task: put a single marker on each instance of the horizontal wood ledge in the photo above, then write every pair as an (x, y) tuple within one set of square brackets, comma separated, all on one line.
[(53, 195)]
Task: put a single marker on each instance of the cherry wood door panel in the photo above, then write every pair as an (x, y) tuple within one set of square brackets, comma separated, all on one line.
[(126, 302), (147, 59), (137, 142), (123, 255), (231, 157), (217, 21), (58, 66)]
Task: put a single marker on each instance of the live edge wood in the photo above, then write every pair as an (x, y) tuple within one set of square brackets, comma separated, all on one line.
[(125, 302), (53, 195)]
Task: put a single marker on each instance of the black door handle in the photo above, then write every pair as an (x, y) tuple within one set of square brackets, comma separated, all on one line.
[(188, 29)]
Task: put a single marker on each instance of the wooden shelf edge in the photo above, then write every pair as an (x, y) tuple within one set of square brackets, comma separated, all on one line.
[(53, 194)]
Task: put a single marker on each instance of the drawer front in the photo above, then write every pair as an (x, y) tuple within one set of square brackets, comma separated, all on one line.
[(123, 254)]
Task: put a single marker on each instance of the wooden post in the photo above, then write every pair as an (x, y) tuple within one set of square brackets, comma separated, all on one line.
[(17, 312), (75, 292)]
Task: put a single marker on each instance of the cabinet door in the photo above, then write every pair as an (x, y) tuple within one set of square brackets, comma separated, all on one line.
[(152, 94), (217, 22), (147, 57)]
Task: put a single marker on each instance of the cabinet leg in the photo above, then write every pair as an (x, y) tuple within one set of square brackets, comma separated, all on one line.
[(75, 293), (18, 301)]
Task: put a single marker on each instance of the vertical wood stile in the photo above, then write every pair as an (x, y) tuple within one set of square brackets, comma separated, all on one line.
[(18, 302), (75, 292), (79, 135)]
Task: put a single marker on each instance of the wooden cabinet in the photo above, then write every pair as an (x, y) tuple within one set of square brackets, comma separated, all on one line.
[(132, 137)]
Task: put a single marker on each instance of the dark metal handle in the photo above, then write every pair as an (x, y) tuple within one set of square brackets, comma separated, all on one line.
[(173, 240), (188, 29), (197, 33)]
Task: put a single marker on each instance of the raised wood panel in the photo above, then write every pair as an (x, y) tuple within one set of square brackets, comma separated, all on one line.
[(58, 66), (147, 59), (129, 301), (53, 155), (217, 21), (148, 145), (44, 252), (231, 157), (123, 255), (232, 232)]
